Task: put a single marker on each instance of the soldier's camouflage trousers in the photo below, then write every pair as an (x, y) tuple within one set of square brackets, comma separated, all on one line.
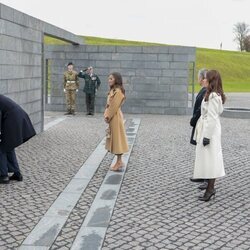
[(71, 101)]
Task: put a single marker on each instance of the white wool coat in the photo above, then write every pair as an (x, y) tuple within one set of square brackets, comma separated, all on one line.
[(209, 160)]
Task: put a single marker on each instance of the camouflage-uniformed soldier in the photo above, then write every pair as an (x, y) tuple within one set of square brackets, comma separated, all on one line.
[(92, 83), (71, 85)]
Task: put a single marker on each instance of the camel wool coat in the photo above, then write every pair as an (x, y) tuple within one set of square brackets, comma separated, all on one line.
[(116, 141), (209, 160)]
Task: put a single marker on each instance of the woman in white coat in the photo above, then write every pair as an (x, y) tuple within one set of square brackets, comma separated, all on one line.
[(209, 160)]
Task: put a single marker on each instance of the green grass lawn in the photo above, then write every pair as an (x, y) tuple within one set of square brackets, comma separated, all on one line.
[(91, 40), (233, 66), (53, 41)]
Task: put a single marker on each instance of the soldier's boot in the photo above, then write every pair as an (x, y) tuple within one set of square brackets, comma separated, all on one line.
[(68, 110), (91, 111)]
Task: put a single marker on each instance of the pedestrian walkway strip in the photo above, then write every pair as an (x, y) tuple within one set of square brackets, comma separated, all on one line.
[(53, 123), (92, 232), (48, 228)]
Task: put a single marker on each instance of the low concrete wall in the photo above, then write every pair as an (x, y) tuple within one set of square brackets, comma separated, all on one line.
[(236, 113), (156, 77), (21, 57)]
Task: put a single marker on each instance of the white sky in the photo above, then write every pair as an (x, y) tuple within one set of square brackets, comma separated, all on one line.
[(200, 23)]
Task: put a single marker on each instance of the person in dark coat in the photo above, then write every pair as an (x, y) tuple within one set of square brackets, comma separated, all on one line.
[(198, 101), (197, 113), (16, 129), (92, 83)]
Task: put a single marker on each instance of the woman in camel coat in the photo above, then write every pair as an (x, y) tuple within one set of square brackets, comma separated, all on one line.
[(116, 141), (209, 160)]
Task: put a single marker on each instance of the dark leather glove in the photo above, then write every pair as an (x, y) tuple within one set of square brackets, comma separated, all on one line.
[(192, 122), (206, 141)]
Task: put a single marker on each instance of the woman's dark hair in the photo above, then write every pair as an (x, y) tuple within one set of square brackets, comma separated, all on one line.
[(214, 85), (118, 81)]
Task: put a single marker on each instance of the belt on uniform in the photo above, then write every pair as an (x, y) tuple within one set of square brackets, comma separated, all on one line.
[(71, 81)]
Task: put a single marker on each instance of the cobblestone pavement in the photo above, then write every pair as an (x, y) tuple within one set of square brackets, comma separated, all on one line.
[(51, 116), (157, 207), (48, 162)]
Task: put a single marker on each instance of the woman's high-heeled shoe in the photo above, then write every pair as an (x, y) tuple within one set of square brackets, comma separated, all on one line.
[(207, 196)]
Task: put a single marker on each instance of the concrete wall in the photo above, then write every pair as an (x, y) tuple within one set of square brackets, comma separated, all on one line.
[(156, 78), (21, 55)]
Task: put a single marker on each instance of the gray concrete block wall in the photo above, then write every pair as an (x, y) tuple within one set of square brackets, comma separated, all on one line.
[(155, 77), (21, 54), (21, 68)]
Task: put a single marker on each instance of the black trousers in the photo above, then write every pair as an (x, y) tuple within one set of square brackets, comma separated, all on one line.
[(192, 141), (8, 163), (90, 103)]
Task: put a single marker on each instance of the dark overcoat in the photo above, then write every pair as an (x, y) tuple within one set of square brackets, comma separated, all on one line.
[(16, 127), (91, 83), (197, 112)]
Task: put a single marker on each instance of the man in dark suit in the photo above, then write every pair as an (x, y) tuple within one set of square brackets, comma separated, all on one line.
[(197, 113), (16, 128)]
